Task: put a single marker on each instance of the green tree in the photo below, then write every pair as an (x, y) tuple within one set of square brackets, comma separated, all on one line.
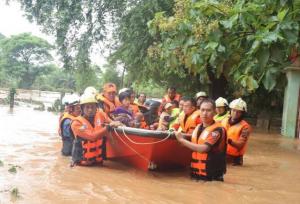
[(56, 80), (77, 25), (87, 76), (245, 43), (132, 37), (24, 57), (111, 74)]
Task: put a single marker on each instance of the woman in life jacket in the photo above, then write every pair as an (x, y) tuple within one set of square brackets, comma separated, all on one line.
[(72, 110), (89, 130), (208, 144), (238, 132), (221, 109)]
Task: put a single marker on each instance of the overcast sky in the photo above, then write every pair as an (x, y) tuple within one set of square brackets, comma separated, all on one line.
[(12, 22)]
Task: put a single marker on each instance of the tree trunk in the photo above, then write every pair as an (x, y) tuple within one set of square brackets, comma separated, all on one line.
[(218, 86)]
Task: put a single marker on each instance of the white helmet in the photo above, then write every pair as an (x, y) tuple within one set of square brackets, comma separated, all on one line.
[(90, 90), (65, 100), (238, 104), (73, 99), (221, 102), (200, 94), (87, 98), (124, 90)]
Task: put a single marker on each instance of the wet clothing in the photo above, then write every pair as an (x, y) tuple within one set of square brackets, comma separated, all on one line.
[(238, 131), (190, 122), (209, 165), (67, 138), (107, 106), (86, 149), (66, 133), (166, 99)]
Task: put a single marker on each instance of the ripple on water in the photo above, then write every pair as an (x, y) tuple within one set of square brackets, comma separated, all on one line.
[(270, 174)]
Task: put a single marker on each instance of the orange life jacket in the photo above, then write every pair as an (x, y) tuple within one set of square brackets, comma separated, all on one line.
[(108, 106), (167, 99), (144, 125), (62, 118), (135, 108), (87, 152), (212, 163), (188, 125), (234, 132)]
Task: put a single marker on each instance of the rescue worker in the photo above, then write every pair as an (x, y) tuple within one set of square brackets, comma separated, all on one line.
[(67, 136), (221, 109), (89, 130), (208, 144), (64, 102), (191, 117), (171, 96), (108, 101), (200, 96), (238, 131)]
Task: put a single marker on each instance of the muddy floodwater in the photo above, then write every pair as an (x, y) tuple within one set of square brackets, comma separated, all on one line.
[(29, 139)]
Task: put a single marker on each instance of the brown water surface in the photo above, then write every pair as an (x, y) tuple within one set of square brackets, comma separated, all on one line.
[(28, 138)]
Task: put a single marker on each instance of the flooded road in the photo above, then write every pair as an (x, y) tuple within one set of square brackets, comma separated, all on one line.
[(28, 138)]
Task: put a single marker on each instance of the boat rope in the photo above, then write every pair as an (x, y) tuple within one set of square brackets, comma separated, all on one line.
[(139, 154), (146, 143)]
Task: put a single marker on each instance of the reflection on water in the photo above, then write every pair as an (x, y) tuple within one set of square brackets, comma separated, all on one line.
[(29, 139)]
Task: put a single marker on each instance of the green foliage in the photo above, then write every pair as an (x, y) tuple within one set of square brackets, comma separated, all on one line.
[(111, 74), (86, 77), (133, 38), (247, 41), (77, 25), (190, 44), (13, 169), (1, 163), (23, 57), (149, 88), (56, 107), (57, 80)]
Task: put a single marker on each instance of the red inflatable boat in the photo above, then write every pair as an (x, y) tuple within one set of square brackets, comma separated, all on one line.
[(146, 149)]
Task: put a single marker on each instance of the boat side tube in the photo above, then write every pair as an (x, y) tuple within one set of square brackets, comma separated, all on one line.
[(147, 133)]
